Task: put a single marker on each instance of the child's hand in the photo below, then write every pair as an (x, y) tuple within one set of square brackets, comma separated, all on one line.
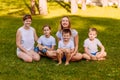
[(40, 47), (44, 47)]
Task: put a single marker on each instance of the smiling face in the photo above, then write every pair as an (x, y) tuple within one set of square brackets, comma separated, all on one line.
[(65, 23), (92, 35), (66, 36), (46, 31), (27, 23)]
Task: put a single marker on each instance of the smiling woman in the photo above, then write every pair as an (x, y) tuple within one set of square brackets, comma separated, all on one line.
[(25, 38)]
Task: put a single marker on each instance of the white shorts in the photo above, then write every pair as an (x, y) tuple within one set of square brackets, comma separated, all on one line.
[(18, 51)]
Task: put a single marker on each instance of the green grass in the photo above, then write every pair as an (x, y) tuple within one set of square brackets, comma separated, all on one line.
[(106, 20)]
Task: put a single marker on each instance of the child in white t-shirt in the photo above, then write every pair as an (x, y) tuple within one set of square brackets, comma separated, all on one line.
[(46, 43), (91, 45), (65, 47)]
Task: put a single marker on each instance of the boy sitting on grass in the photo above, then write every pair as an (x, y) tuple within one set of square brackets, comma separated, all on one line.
[(46, 43), (91, 47), (65, 47)]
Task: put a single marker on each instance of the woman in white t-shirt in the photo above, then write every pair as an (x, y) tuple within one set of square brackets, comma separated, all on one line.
[(25, 39), (46, 43), (65, 24)]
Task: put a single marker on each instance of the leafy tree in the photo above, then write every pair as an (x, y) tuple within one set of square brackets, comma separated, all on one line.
[(33, 7)]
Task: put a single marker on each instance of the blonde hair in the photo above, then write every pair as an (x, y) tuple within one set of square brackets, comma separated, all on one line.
[(93, 29)]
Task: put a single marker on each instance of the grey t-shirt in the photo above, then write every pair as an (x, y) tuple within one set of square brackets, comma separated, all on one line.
[(49, 42), (92, 45), (70, 45)]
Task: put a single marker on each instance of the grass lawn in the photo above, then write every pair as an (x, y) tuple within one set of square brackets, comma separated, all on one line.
[(106, 20)]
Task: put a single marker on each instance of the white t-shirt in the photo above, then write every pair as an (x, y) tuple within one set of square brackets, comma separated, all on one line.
[(70, 44), (27, 38), (92, 45), (73, 31), (49, 42)]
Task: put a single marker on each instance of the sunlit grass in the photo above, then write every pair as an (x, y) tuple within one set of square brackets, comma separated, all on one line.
[(14, 8)]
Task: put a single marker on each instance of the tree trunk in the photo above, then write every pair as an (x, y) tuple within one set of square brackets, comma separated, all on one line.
[(43, 7), (104, 3), (33, 7), (74, 6), (83, 4), (66, 1), (118, 3)]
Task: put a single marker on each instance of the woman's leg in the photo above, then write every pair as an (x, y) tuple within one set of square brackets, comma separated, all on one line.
[(77, 57), (24, 56), (35, 56)]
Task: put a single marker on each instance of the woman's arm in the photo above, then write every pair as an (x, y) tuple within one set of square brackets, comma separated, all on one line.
[(35, 36), (18, 42), (76, 44)]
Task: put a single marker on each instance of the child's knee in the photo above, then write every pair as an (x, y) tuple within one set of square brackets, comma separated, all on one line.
[(85, 56), (37, 58), (105, 54), (94, 58), (59, 51), (29, 59), (67, 51)]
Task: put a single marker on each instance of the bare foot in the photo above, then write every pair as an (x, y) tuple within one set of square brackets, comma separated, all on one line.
[(59, 63), (87, 60), (67, 63)]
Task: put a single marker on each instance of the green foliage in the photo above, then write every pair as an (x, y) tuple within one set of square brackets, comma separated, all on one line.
[(106, 20)]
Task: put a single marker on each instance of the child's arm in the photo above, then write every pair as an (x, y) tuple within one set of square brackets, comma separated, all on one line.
[(102, 48), (87, 51), (52, 48)]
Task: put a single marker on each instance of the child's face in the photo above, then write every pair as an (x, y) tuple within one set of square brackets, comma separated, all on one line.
[(46, 31), (66, 36), (27, 22), (92, 35), (65, 22)]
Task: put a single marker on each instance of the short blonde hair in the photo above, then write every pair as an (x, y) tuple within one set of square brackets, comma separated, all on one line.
[(93, 29)]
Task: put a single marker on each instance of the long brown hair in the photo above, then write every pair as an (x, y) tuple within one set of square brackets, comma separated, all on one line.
[(61, 26)]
